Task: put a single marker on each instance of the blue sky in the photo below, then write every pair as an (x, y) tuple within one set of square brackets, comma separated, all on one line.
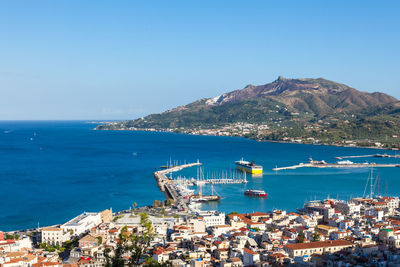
[(125, 59)]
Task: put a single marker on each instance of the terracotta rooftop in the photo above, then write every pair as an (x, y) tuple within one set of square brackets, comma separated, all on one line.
[(249, 251), (319, 244)]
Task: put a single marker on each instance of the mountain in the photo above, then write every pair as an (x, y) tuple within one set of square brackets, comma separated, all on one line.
[(319, 96), (284, 108)]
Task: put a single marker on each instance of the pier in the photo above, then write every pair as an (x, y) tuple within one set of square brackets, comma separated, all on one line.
[(221, 181), (167, 186), (369, 156), (329, 165)]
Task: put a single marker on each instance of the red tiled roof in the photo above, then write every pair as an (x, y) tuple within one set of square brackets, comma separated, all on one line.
[(319, 244), (258, 214), (249, 251)]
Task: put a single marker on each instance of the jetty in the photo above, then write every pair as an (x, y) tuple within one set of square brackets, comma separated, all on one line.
[(346, 164), (167, 186), (221, 181), (369, 156)]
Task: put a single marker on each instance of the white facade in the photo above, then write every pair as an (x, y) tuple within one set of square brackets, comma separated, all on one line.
[(212, 218), (54, 236), (82, 223), (347, 208)]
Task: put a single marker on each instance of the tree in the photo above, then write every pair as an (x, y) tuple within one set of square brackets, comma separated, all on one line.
[(300, 237), (99, 240), (132, 244), (163, 212), (316, 236), (170, 202), (133, 207), (157, 203)]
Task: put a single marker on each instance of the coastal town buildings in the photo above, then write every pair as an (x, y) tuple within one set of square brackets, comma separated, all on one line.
[(322, 233), (82, 223), (54, 235)]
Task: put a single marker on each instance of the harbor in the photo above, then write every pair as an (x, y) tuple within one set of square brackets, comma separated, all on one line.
[(185, 199)]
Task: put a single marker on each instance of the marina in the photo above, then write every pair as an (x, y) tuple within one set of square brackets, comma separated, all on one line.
[(184, 198), (233, 177)]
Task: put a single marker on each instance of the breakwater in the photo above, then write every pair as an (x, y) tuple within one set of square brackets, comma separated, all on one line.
[(329, 165)]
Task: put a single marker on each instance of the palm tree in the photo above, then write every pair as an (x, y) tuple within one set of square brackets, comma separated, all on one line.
[(133, 207)]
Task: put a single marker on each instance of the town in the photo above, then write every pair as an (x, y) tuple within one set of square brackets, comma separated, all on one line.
[(330, 232), (278, 130)]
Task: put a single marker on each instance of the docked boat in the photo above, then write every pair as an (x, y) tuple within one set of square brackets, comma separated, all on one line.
[(255, 193), (345, 162), (249, 167), (206, 198)]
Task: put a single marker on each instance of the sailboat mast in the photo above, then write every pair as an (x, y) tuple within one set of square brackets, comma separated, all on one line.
[(372, 175)]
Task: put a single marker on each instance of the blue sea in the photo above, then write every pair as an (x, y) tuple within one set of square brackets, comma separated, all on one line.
[(51, 171)]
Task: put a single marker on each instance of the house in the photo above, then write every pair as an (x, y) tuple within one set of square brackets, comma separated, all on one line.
[(160, 255), (250, 257), (340, 234), (88, 241), (218, 230), (222, 254), (326, 229), (256, 216)]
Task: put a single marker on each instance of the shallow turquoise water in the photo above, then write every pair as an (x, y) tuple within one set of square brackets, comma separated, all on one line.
[(52, 171)]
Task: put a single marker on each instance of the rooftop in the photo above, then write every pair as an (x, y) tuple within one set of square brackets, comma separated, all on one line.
[(319, 244)]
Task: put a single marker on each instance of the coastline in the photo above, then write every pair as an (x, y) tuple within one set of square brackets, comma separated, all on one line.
[(254, 139)]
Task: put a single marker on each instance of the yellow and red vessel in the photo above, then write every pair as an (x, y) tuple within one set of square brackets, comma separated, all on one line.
[(249, 167)]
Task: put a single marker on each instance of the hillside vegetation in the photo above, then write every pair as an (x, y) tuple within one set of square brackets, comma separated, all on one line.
[(296, 110)]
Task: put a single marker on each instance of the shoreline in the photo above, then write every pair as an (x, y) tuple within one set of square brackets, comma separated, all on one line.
[(257, 140)]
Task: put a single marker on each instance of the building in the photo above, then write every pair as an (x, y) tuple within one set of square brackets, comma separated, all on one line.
[(321, 208), (319, 247), (347, 208), (88, 241), (106, 215), (54, 236), (250, 257), (82, 223), (212, 218)]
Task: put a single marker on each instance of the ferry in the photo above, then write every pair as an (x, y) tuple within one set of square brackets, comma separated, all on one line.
[(249, 167), (255, 193)]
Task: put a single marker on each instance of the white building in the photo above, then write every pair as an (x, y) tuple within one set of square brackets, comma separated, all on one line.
[(250, 257), (15, 245), (347, 208), (82, 223), (212, 218), (54, 236)]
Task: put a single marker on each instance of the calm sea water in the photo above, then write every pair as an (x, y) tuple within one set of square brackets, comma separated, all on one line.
[(53, 171)]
